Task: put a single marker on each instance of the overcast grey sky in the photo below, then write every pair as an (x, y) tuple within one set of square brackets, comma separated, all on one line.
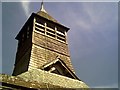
[(92, 38)]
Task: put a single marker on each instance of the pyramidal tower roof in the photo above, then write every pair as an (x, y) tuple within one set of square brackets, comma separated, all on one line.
[(45, 14)]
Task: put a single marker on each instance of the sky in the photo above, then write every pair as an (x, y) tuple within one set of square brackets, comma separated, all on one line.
[(92, 38)]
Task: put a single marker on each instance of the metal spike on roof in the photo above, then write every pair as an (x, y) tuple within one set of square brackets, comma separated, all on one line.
[(45, 14), (42, 7)]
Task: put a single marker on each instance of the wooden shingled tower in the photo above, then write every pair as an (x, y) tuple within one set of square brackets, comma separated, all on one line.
[(41, 41), (42, 58)]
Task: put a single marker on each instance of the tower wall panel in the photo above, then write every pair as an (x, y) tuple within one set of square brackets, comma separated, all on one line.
[(41, 56), (22, 64)]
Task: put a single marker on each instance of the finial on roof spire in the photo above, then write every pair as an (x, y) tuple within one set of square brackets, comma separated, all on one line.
[(42, 7)]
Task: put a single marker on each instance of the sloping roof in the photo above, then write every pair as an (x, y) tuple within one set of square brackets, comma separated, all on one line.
[(36, 79), (41, 76), (47, 16), (14, 83), (62, 64)]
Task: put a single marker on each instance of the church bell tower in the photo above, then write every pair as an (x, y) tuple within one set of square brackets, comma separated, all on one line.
[(42, 44)]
